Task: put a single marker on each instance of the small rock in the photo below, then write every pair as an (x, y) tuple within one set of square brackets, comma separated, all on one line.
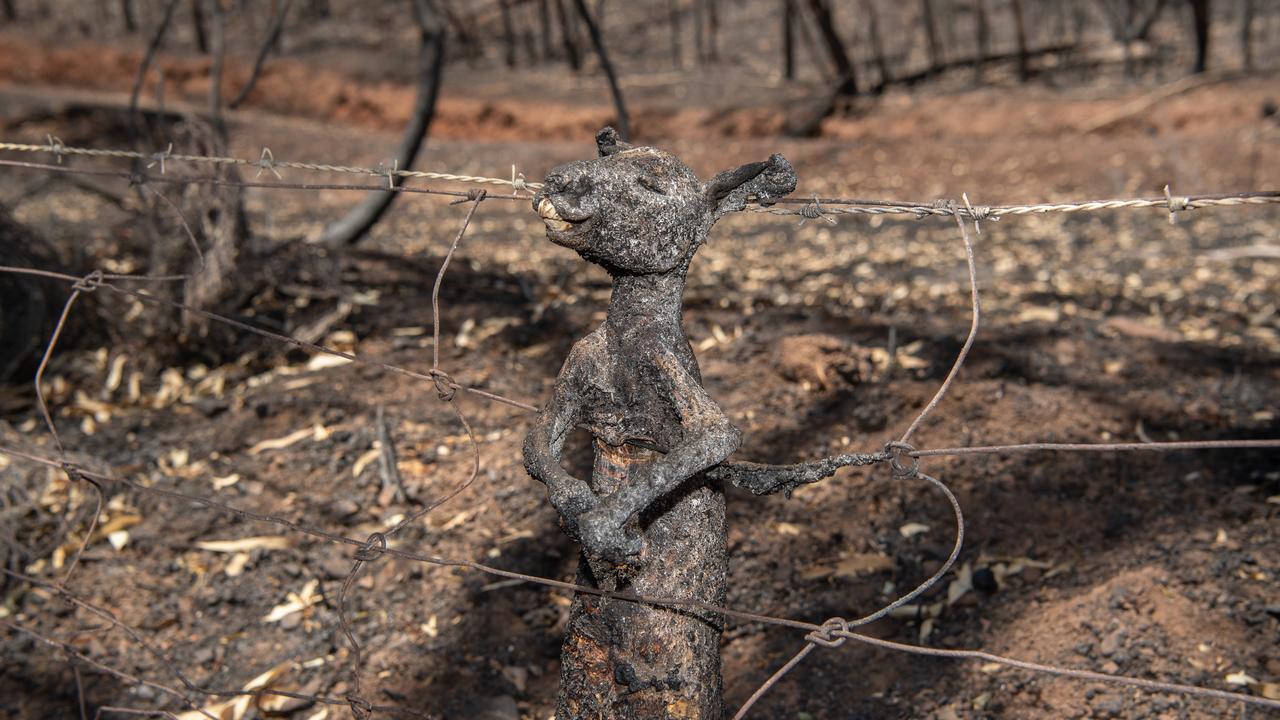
[(1112, 643), (1108, 705), (344, 508)]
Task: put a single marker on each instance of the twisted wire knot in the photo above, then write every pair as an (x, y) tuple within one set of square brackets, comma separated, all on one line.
[(897, 452), (72, 470), (372, 548), (473, 195), (826, 636), (446, 388), (89, 282), (360, 707)]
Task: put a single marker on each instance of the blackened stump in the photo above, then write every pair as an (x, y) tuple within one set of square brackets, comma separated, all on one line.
[(651, 517)]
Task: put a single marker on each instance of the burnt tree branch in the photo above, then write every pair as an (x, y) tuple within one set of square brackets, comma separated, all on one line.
[(357, 222)]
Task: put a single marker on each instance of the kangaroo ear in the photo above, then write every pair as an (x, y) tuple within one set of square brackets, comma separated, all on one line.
[(728, 191), (608, 142)]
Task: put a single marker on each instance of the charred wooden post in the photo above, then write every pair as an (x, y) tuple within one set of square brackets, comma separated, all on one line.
[(651, 518)]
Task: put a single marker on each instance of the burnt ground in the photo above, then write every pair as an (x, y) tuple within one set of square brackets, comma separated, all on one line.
[(1110, 326)]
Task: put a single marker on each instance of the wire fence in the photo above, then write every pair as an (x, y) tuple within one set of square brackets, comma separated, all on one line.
[(902, 458)]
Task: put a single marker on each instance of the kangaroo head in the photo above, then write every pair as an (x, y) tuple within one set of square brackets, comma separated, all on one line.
[(640, 210)]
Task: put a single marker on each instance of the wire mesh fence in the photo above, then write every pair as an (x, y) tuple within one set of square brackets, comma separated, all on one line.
[(900, 456)]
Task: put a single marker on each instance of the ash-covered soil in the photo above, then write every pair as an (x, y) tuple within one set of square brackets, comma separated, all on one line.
[(1107, 326)]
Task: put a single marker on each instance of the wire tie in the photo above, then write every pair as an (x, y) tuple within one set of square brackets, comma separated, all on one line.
[(72, 470), (826, 636), (360, 707), (473, 195), (1176, 203), (56, 147), (372, 548), (267, 162), (897, 451), (446, 388), (89, 282), (160, 157)]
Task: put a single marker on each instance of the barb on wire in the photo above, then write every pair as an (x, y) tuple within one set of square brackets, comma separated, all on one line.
[(811, 209), (169, 156), (143, 178)]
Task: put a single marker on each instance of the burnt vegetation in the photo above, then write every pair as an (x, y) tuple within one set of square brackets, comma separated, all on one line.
[(356, 381)]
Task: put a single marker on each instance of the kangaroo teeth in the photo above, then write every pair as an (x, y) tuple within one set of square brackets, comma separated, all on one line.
[(548, 211)]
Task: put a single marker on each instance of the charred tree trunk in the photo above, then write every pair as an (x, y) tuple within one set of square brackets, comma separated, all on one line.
[(627, 660), (351, 228), (508, 34), (597, 40), (568, 37), (544, 29), (788, 40), (272, 40), (126, 15), (982, 36), (198, 32), (877, 44), (1200, 14), (1246, 34), (1024, 53), (847, 76), (29, 306), (931, 34), (713, 29), (673, 19), (699, 49)]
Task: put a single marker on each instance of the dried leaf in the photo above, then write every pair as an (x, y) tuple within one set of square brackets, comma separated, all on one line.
[(235, 566), (1241, 678), (786, 528), (266, 542), (118, 539), (850, 566), (961, 585), (316, 432), (323, 361), (296, 602), (363, 461), (226, 481), (912, 529)]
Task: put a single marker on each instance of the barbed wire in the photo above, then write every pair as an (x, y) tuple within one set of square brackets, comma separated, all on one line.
[(902, 458), (265, 162), (811, 209)]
